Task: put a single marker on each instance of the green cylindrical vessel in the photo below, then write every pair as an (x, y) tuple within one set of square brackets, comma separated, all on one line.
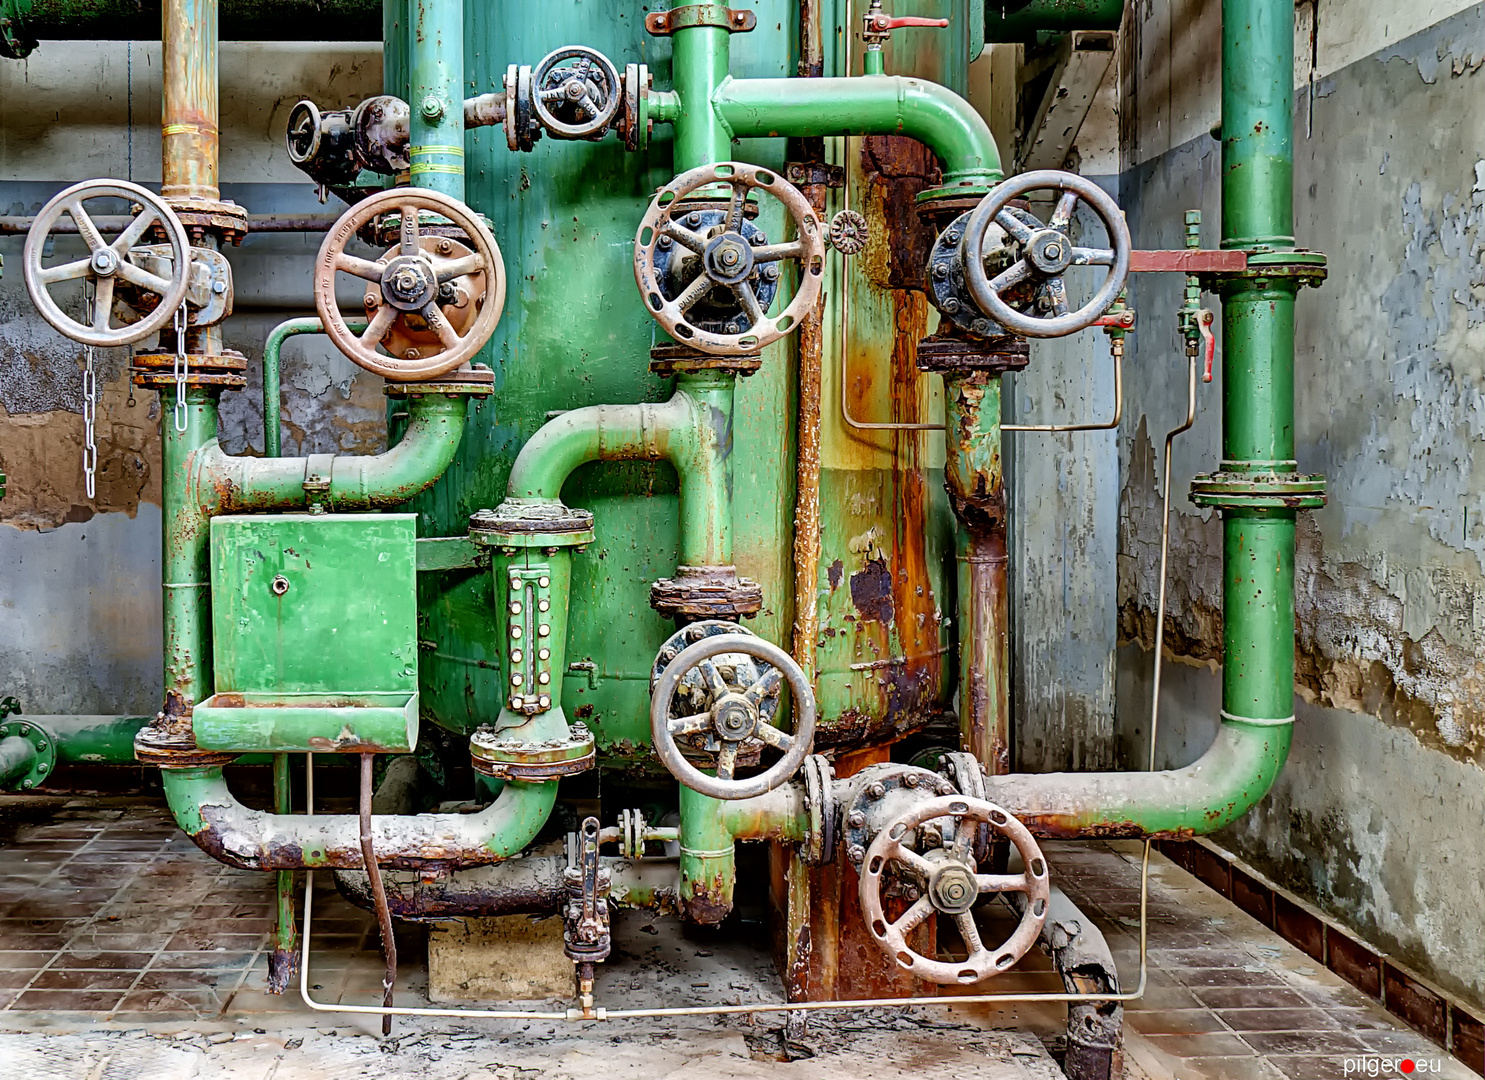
[(575, 333)]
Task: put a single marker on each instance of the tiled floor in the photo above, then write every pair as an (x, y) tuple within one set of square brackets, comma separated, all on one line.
[(109, 916)]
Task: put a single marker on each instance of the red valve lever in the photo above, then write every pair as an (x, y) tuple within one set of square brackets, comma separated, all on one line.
[(894, 23), (1204, 320)]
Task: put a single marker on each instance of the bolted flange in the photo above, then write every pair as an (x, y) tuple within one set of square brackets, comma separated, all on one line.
[(43, 746), (521, 759)]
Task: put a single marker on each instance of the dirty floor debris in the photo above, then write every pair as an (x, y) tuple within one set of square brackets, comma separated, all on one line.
[(126, 952)]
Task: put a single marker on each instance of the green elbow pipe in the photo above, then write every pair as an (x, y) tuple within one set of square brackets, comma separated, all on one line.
[(17, 758), (693, 430), (866, 105), (272, 387), (709, 829), (1049, 16), (256, 840)]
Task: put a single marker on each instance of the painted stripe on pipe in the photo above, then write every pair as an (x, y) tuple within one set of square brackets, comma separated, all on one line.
[(456, 170), (1255, 721), (457, 151), (724, 853)]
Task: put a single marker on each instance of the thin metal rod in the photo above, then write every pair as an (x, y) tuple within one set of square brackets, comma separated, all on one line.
[(1170, 437), (257, 223), (1116, 347), (378, 895)]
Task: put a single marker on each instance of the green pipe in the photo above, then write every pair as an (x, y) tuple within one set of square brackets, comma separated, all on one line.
[(867, 105), (435, 37), (709, 829), (700, 58), (1257, 124), (1049, 16), (92, 740), (17, 758), (693, 430), (185, 559), (285, 932), (272, 393), (257, 840)]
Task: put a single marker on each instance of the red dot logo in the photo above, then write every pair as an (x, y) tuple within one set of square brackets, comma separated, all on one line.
[(1406, 1065)]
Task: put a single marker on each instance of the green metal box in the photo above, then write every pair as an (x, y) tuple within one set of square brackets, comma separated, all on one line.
[(314, 642)]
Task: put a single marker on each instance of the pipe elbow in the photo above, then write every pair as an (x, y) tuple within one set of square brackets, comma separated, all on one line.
[(421, 456), (639, 432), (949, 126)]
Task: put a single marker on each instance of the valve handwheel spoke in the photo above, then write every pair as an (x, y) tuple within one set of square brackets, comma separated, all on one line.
[(728, 261), (734, 717), (951, 885), (106, 263), (1046, 252), (410, 284)]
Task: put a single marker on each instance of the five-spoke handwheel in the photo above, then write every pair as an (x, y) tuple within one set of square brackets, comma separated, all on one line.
[(735, 716), (107, 263), (1046, 253), (577, 92), (417, 288), (726, 261), (947, 880)]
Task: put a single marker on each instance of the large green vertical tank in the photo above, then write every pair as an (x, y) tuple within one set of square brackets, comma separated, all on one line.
[(575, 333)]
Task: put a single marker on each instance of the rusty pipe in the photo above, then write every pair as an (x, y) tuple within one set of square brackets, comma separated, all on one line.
[(189, 135)]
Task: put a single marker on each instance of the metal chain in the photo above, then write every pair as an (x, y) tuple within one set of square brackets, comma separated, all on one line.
[(182, 369), (90, 399)]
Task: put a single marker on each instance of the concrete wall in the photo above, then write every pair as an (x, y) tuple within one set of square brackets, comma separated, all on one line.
[(1378, 816), (79, 595)]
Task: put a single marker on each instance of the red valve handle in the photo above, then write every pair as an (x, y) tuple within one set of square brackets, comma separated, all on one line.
[(1204, 320), (893, 23)]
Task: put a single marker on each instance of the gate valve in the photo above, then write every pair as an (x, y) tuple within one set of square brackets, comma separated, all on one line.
[(932, 846), (728, 262), (1047, 251), (428, 289), (739, 697), (579, 100), (107, 263)]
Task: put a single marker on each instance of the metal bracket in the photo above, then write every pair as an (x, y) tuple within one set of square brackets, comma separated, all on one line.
[(803, 173), (1078, 71), (663, 23)]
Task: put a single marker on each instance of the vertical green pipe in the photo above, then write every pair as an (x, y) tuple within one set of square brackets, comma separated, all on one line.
[(186, 565), (285, 953), (708, 870), (273, 406), (436, 95), (706, 469), (1258, 365), (700, 57)]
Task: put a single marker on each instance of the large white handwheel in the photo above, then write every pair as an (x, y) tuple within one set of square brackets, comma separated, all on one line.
[(726, 261), (736, 715), (409, 283), (1047, 252), (107, 263), (948, 881)]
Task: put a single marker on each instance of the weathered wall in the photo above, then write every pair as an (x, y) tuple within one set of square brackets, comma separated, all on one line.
[(79, 599), (1377, 817)]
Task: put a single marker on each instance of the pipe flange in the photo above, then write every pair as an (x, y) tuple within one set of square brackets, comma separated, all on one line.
[(634, 124), (211, 217), (706, 592), (521, 759), (173, 746), (1259, 491), (819, 843), (475, 380), (671, 358), (968, 775), (528, 523), (879, 793), (951, 353), (43, 744)]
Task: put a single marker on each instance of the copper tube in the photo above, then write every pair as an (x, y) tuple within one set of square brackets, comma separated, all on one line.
[(378, 894), (189, 135)]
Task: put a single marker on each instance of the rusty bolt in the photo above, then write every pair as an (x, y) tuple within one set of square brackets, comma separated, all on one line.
[(693, 219), (981, 326), (432, 107), (950, 304), (667, 655), (855, 853), (279, 585), (856, 819), (664, 243), (733, 328), (372, 301), (940, 271), (953, 236), (445, 247), (911, 893), (771, 272), (910, 780), (411, 354), (875, 791)]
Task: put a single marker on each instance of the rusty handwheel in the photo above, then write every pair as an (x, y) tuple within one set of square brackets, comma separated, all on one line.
[(949, 883), (1047, 252), (736, 715), (722, 264), (418, 292)]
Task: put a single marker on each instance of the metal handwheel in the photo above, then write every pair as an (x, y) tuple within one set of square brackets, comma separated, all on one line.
[(107, 263), (577, 92), (723, 266), (417, 293), (1046, 253), (736, 715), (948, 882)]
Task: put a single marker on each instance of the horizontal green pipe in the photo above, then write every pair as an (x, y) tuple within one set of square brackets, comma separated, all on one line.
[(1049, 16), (93, 740), (866, 105), (17, 758), (1213, 792), (693, 431)]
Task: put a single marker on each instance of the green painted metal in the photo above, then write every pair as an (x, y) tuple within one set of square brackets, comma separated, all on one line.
[(1027, 20), (352, 722), (709, 830), (1257, 125), (17, 759), (531, 590), (435, 44), (285, 928), (699, 64)]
